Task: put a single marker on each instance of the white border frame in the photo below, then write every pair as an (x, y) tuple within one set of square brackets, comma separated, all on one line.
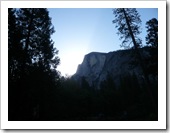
[(160, 124)]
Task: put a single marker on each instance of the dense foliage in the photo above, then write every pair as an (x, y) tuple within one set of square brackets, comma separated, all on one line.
[(152, 30), (152, 43), (32, 63), (128, 101)]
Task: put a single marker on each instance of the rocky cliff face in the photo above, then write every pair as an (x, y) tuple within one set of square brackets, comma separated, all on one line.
[(96, 66)]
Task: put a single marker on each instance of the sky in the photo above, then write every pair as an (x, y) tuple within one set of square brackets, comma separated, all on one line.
[(79, 31)]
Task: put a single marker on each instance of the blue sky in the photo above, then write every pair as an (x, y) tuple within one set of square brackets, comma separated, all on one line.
[(80, 31)]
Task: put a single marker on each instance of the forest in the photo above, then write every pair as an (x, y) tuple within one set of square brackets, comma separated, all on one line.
[(38, 92)]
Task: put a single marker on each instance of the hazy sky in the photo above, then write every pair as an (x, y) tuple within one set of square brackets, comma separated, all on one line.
[(80, 31)]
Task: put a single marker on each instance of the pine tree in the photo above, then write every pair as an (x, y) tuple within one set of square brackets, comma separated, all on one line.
[(32, 54), (128, 23), (14, 61), (152, 30), (37, 44), (152, 41), (14, 46)]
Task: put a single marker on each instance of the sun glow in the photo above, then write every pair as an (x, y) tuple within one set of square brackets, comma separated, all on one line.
[(70, 60)]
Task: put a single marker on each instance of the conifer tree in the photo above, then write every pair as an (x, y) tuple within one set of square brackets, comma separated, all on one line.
[(152, 41), (128, 23), (152, 30), (37, 43), (33, 55), (14, 46)]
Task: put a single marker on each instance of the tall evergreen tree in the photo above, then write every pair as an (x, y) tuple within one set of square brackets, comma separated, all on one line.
[(32, 54), (128, 23), (14, 46), (152, 41), (152, 30), (37, 44)]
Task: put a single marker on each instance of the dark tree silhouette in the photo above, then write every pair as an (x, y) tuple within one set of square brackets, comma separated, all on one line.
[(32, 63), (37, 44), (127, 21), (14, 46), (152, 41), (152, 30)]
